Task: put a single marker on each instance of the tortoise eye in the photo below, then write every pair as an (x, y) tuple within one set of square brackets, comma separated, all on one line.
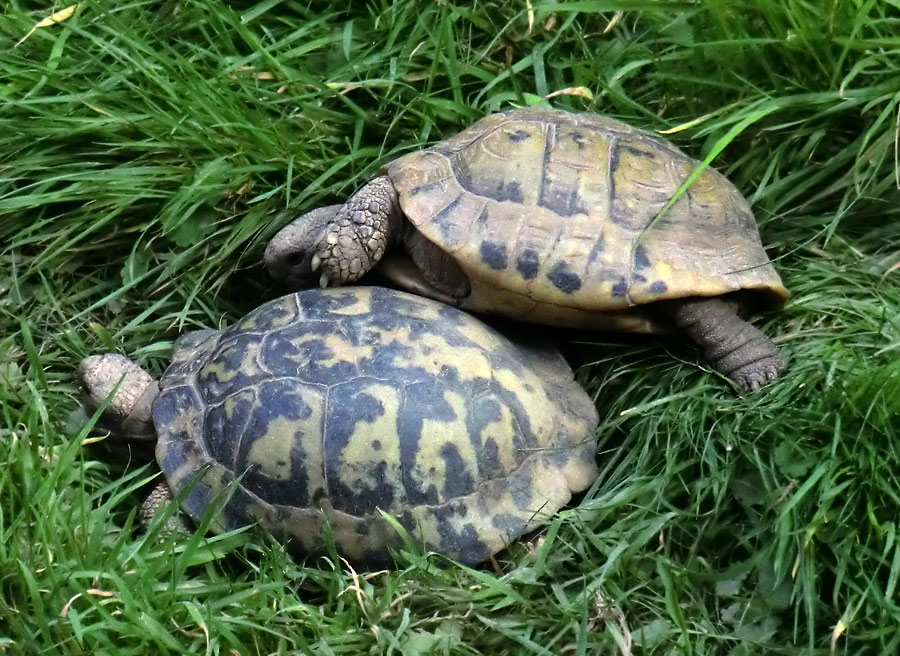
[(294, 259)]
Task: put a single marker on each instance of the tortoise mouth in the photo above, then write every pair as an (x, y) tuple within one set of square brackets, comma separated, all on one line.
[(291, 267), (289, 255)]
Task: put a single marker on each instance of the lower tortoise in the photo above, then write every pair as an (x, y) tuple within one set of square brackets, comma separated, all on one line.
[(341, 404), (556, 218)]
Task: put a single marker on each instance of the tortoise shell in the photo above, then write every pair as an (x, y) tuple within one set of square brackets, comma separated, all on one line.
[(568, 219), (336, 405)]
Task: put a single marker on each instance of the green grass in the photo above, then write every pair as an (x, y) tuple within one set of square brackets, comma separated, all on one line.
[(148, 150)]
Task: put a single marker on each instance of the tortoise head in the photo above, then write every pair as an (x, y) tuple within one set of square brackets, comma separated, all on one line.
[(128, 391), (289, 257)]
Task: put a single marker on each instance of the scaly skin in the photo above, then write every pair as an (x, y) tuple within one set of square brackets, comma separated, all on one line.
[(128, 416), (129, 408), (732, 346), (337, 244), (360, 233), (516, 216), (154, 503)]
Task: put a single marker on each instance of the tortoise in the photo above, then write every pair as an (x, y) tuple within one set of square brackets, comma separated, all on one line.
[(556, 218), (339, 405)]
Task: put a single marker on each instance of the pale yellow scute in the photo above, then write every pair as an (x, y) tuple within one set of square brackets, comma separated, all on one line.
[(373, 446), (271, 453), (360, 303), (249, 364), (436, 437), (496, 166), (432, 354), (529, 393), (498, 431), (342, 351)]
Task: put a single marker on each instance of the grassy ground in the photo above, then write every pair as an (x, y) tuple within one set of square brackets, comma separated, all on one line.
[(148, 149)]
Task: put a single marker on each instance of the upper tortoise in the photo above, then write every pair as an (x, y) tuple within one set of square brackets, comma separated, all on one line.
[(558, 218), (341, 404)]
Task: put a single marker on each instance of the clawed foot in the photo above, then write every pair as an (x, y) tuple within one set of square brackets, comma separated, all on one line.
[(337, 244), (758, 374), (732, 346), (346, 252), (158, 498)]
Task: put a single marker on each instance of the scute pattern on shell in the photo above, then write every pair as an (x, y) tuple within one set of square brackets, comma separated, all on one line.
[(574, 201), (339, 403)]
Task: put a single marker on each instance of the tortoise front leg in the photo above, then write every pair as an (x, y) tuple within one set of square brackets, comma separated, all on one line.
[(155, 501), (363, 229), (732, 346), (338, 244), (128, 416)]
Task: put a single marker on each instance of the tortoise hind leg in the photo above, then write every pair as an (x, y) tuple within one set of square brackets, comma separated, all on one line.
[(732, 346)]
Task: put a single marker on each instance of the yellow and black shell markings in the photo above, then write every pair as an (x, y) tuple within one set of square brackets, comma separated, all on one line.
[(337, 404), (544, 207)]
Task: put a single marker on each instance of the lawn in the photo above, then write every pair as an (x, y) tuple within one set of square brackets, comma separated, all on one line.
[(149, 150)]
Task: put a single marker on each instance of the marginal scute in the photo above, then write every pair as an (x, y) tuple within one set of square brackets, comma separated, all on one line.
[(563, 279), (357, 401), (528, 263), (494, 254)]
